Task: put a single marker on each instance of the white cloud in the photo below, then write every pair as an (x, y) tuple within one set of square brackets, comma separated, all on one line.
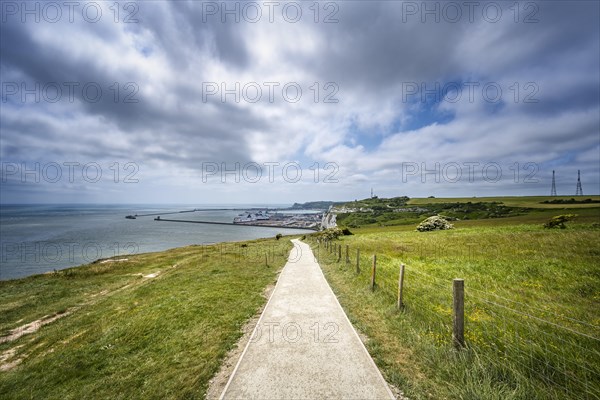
[(369, 57)]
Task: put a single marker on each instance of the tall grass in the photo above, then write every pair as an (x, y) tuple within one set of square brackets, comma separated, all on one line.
[(130, 335), (531, 305)]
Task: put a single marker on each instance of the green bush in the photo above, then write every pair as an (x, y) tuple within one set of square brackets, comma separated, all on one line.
[(559, 221), (330, 234)]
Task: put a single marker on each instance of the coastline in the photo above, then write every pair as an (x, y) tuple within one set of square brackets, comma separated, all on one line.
[(153, 315), (225, 246), (39, 239)]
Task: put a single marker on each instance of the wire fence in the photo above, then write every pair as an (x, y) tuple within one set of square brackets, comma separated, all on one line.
[(524, 343)]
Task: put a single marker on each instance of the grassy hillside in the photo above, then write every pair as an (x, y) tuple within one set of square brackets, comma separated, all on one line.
[(515, 201), (157, 325), (532, 297), (154, 326), (403, 211)]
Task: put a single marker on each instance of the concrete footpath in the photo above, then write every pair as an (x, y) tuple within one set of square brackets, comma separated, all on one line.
[(303, 346)]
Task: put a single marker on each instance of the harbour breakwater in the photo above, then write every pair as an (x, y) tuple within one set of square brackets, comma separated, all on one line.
[(261, 224)]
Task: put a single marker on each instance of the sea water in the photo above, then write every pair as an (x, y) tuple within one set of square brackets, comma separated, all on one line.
[(36, 239)]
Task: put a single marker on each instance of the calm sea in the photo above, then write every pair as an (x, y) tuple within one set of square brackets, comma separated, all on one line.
[(39, 238)]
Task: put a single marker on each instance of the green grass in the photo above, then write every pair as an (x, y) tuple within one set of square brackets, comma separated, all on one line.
[(532, 302), (410, 215), (129, 336), (402, 211), (512, 201)]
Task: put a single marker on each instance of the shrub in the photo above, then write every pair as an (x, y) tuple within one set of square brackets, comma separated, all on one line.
[(278, 236), (559, 221), (346, 232), (435, 223), (330, 234)]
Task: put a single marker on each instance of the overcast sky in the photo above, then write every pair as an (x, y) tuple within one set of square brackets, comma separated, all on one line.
[(281, 102)]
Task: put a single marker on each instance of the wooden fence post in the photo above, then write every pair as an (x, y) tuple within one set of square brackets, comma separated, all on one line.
[(347, 254), (339, 253), (358, 261), (373, 270), (400, 287), (266, 260), (458, 313)]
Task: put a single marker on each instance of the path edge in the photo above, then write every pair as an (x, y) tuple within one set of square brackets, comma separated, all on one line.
[(362, 345), (222, 396)]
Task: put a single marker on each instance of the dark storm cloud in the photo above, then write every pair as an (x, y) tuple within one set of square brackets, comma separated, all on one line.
[(372, 49), (147, 121), (377, 46), (181, 27)]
